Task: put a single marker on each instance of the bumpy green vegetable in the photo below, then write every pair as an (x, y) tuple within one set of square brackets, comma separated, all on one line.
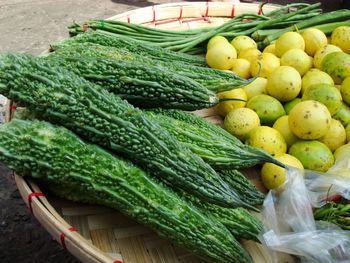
[(245, 189), (213, 79), (136, 47), (140, 84), (82, 172), (237, 220), (62, 97), (212, 143)]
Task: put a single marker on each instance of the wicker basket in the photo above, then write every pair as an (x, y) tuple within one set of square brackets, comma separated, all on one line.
[(98, 234)]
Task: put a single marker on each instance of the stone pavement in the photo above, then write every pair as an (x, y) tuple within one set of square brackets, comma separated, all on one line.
[(29, 26)]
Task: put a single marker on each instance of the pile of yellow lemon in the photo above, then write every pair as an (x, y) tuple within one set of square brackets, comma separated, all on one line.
[(297, 107)]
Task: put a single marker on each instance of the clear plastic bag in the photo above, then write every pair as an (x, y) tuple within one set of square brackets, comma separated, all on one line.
[(290, 226)]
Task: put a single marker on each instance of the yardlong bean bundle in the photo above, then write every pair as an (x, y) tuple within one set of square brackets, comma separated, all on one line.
[(194, 41)]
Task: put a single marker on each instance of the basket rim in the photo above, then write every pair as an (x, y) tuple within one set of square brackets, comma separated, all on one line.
[(177, 11), (41, 208)]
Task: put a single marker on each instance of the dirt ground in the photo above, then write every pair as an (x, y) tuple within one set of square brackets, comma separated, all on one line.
[(29, 26)]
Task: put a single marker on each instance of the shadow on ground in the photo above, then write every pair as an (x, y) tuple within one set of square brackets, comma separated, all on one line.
[(26, 241), (136, 3)]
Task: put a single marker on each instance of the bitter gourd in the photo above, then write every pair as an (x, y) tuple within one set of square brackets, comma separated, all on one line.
[(213, 79), (82, 172), (213, 144), (238, 181), (142, 85), (238, 221), (64, 98), (136, 47)]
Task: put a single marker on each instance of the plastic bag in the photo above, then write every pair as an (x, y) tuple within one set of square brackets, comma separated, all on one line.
[(290, 226)]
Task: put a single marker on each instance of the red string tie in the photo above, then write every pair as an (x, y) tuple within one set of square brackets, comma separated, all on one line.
[(30, 198), (233, 11), (260, 10), (63, 236)]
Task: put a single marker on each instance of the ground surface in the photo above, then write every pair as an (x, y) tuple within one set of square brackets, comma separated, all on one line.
[(29, 26)]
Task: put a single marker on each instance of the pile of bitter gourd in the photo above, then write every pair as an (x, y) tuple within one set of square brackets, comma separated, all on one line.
[(137, 151)]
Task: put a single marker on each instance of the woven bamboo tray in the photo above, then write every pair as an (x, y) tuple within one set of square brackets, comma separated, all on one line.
[(98, 234)]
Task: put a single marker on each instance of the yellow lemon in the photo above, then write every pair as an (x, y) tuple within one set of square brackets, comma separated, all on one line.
[(256, 87), (309, 120), (268, 62), (221, 56), (284, 83), (239, 122), (341, 38), (243, 42), (274, 176), (287, 41), (314, 39), (226, 106), (270, 49), (282, 125), (249, 54), (267, 139), (216, 39), (342, 153), (241, 67), (297, 59), (335, 136)]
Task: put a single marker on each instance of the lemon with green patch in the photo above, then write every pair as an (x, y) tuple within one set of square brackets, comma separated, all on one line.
[(315, 76), (314, 155), (290, 105), (343, 114), (326, 94), (337, 65), (345, 90), (268, 108), (322, 52)]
